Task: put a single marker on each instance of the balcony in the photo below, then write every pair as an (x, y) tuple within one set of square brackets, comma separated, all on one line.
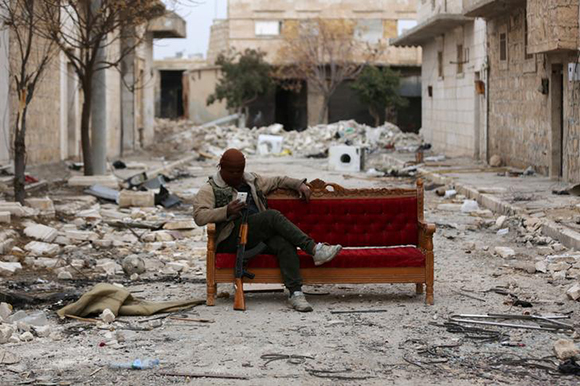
[(430, 28), (489, 9), (170, 25)]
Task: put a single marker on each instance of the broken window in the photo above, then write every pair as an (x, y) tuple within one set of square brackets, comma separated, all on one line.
[(503, 46), (460, 58), (267, 28), (440, 63)]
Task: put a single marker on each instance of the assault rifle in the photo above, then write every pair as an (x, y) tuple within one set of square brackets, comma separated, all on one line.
[(241, 256)]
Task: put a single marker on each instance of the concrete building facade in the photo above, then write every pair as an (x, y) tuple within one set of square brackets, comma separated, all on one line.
[(53, 119), (453, 69), (260, 24)]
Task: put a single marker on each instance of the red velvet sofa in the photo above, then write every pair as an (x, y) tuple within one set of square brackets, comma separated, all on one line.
[(383, 232)]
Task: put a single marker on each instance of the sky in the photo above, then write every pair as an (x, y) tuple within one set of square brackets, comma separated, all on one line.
[(199, 15)]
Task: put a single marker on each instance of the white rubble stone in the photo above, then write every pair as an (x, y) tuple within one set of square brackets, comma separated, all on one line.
[(130, 198), (103, 243), (90, 214), (163, 236), (110, 268), (574, 292), (134, 276), (46, 262), (81, 235), (558, 275), (15, 208), (558, 247), (65, 276), (133, 264), (44, 204), (469, 206), (566, 349), (485, 213), (177, 267), (77, 263), (42, 331), (23, 326), (41, 232), (8, 269), (541, 266), (79, 222), (149, 237), (26, 337), (5, 217), (114, 214), (5, 311), (504, 252), (7, 245), (561, 266), (61, 240), (449, 207), (573, 273), (38, 248), (107, 316), (180, 224), (6, 331), (500, 222), (109, 181)]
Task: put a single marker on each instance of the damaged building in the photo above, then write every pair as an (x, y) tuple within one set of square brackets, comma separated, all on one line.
[(55, 112), (260, 25), (500, 80)]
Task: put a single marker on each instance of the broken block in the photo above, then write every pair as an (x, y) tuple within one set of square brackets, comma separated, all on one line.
[(6, 331), (44, 205), (505, 252), (4, 217), (109, 181), (81, 235), (64, 275), (182, 224), (129, 198), (7, 269), (5, 311), (574, 292), (38, 248), (565, 349), (41, 232), (541, 266), (107, 316), (6, 246)]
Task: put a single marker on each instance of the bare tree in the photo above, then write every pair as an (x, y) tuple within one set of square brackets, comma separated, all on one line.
[(30, 58), (83, 30), (324, 53)]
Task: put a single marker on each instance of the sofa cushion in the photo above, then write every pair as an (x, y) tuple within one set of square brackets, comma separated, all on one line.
[(354, 222), (406, 256)]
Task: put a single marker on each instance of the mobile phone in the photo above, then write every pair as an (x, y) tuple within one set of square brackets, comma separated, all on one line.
[(242, 196)]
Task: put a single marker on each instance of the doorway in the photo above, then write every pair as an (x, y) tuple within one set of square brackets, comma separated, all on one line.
[(172, 94), (557, 121)]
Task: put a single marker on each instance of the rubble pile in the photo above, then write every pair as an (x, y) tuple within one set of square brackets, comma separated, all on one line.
[(313, 141)]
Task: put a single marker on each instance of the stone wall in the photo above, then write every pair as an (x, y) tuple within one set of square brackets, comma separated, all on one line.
[(553, 25), (519, 115), (199, 84), (450, 119), (218, 40)]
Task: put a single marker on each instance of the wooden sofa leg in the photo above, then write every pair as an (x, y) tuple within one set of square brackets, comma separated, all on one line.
[(211, 293), (419, 288), (429, 298)]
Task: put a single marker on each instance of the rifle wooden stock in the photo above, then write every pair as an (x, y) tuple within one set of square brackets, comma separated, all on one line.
[(239, 300)]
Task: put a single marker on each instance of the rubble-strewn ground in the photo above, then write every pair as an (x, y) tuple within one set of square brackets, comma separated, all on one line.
[(403, 343)]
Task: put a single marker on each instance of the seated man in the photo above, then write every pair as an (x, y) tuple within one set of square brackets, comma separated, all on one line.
[(216, 202)]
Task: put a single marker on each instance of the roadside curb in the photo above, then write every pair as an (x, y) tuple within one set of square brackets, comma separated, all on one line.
[(567, 237)]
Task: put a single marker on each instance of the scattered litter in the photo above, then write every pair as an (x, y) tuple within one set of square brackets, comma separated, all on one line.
[(503, 232), (546, 323), (469, 206), (137, 364)]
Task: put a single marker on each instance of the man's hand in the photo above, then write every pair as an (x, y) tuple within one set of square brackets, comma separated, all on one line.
[(305, 192), (235, 207)]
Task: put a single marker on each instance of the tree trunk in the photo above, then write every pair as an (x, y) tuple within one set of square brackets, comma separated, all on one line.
[(323, 118), (85, 133), (20, 158), (376, 116)]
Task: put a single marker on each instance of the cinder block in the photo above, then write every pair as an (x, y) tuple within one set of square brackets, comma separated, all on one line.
[(128, 198), (4, 217)]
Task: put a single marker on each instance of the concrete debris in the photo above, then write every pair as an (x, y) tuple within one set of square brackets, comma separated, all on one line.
[(541, 266), (130, 198), (8, 269), (5, 217), (312, 141), (64, 275), (109, 181), (133, 264), (16, 209), (38, 248), (37, 318), (6, 331), (42, 331), (574, 292), (449, 207), (6, 245), (503, 232), (566, 349), (500, 222), (495, 161), (504, 252), (26, 337), (41, 232), (107, 316), (44, 205), (180, 224), (5, 311), (469, 206), (81, 235)]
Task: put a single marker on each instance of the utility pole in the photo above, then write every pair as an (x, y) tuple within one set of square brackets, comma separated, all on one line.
[(99, 107)]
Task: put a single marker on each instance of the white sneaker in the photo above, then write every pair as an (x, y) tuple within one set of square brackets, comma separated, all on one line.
[(299, 303), (323, 253)]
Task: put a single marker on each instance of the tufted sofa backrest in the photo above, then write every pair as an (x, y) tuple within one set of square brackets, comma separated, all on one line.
[(354, 222)]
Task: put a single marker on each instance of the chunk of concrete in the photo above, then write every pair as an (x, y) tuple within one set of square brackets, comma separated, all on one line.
[(130, 198), (495, 161), (5, 217), (44, 205), (559, 275), (180, 224), (574, 292), (6, 331), (505, 252), (566, 349), (109, 181), (41, 232), (26, 337), (8, 269), (42, 331), (500, 222), (163, 236), (64, 275), (133, 264), (5, 311), (81, 235), (558, 247), (449, 207), (541, 266), (561, 266), (14, 208), (107, 316), (38, 248), (6, 246)]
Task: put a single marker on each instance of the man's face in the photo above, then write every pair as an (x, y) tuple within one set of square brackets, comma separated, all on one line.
[(233, 175)]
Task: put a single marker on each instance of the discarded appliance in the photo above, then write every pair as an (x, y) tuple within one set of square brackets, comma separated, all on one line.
[(346, 158), (270, 144)]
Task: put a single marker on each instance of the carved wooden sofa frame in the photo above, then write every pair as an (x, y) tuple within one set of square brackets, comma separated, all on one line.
[(423, 276)]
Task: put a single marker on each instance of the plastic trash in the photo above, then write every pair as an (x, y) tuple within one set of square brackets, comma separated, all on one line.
[(503, 232), (449, 194), (469, 206), (137, 364)]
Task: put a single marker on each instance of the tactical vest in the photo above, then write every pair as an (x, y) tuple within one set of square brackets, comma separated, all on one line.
[(222, 197)]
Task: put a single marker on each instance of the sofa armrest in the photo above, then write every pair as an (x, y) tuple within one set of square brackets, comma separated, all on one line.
[(427, 229)]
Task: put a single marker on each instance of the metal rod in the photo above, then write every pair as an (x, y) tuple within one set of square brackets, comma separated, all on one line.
[(504, 324)]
